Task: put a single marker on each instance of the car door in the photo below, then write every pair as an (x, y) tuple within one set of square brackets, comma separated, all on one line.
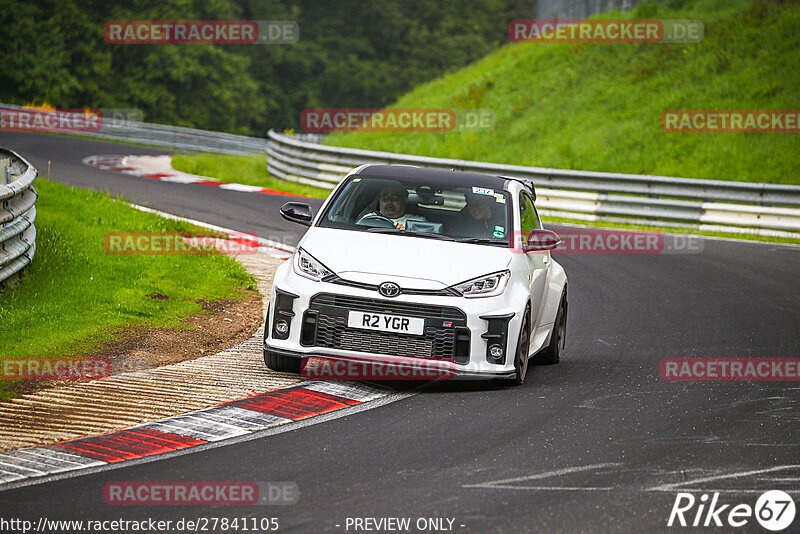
[(538, 262)]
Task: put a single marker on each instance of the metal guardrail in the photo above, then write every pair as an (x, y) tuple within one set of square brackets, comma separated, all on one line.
[(17, 232), (183, 138), (661, 200), (161, 135)]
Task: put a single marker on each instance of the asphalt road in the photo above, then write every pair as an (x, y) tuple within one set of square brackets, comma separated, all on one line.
[(245, 212), (598, 443)]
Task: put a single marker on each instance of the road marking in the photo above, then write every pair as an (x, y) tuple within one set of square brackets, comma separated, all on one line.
[(676, 486), (503, 484)]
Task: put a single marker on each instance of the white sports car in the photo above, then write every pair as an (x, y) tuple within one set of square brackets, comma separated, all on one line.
[(416, 263)]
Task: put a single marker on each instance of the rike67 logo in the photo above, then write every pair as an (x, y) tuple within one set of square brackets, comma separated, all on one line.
[(774, 510)]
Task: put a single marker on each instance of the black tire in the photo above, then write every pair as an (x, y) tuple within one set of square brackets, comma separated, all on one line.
[(521, 352), (282, 364), (552, 353)]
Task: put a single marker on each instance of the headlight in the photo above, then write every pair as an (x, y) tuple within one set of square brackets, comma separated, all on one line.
[(485, 286), (307, 265)]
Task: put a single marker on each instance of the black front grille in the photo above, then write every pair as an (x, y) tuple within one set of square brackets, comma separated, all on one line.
[(446, 292), (437, 340)]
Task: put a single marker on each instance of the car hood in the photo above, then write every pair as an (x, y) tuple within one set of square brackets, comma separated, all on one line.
[(411, 262)]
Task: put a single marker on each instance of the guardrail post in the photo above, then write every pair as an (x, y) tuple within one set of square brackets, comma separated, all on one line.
[(5, 163)]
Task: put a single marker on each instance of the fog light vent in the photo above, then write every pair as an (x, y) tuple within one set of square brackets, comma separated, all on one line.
[(283, 314), (496, 337)]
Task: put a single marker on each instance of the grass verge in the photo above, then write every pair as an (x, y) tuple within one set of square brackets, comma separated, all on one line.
[(597, 107), (248, 170), (74, 296)]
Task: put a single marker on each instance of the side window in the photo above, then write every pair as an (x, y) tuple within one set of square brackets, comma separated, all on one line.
[(529, 219)]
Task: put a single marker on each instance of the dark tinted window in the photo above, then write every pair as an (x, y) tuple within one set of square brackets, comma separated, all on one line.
[(451, 210)]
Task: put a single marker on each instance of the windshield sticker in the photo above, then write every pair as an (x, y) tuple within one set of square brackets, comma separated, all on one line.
[(498, 234), (499, 198), (483, 191), (357, 179)]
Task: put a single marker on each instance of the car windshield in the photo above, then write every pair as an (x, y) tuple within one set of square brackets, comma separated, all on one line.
[(397, 206)]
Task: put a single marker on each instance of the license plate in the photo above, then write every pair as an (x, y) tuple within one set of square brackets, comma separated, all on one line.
[(386, 323)]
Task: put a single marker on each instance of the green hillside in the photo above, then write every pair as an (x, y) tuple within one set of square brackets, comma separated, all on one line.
[(597, 106)]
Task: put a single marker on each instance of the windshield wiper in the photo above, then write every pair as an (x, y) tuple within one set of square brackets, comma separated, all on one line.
[(432, 235), (482, 241)]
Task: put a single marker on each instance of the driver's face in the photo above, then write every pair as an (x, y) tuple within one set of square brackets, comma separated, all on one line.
[(392, 202)]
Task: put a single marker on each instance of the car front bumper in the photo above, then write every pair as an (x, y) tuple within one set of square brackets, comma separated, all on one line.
[(482, 318)]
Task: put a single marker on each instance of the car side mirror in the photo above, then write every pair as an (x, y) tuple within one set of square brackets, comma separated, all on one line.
[(540, 240), (297, 212)]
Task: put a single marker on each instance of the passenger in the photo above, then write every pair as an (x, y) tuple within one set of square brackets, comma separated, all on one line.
[(477, 219)]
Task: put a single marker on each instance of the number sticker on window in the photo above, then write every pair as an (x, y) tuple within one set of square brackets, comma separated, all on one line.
[(483, 191)]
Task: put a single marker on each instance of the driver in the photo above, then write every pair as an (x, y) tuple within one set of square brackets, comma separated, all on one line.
[(392, 205)]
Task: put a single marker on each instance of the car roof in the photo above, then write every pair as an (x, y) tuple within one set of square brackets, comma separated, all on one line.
[(438, 176), (443, 176)]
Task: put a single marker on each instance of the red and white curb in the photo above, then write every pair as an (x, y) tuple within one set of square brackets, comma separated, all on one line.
[(122, 165), (222, 422)]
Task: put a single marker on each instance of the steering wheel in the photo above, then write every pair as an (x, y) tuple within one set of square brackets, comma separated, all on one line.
[(383, 222)]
